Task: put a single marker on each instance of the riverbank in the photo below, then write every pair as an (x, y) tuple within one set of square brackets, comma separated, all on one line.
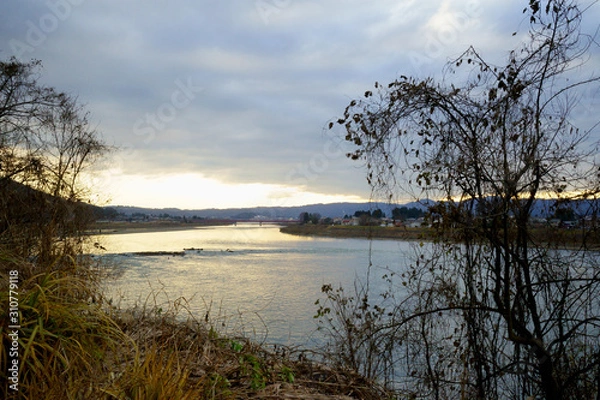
[(208, 365), (568, 239), (78, 348), (362, 232)]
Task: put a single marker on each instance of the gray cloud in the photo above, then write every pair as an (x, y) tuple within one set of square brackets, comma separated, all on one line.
[(271, 73)]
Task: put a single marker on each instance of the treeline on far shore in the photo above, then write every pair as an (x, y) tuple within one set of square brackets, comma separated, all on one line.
[(357, 231), (556, 236)]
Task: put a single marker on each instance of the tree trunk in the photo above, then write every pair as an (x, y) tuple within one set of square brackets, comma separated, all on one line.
[(550, 386)]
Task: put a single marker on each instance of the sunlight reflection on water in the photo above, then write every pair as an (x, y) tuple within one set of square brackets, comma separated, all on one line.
[(261, 282)]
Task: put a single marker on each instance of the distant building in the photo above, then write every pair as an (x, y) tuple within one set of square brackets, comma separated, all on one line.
[(414, 222)]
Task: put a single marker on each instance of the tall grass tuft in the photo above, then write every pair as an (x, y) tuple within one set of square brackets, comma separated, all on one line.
[(158, 374), (65, 336)]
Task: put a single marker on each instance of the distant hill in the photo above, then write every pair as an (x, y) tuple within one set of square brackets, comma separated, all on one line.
[(22, 205), (331, 210), (542, 208)]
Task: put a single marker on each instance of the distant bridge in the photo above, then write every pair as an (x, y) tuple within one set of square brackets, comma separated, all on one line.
[(263, 221)]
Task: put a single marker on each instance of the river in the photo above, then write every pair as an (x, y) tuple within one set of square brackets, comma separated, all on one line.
[(250, 279)]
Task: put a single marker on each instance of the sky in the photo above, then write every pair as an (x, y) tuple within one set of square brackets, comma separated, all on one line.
[(225, 103)]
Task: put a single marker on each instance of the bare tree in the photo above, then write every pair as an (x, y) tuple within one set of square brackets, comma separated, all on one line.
[(524, 308), (46, 141)]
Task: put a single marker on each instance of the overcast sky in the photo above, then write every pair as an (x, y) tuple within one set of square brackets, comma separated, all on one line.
[(225, 103)]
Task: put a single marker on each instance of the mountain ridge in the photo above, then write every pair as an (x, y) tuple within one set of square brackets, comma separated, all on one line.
[(278, 212), (543, 208)]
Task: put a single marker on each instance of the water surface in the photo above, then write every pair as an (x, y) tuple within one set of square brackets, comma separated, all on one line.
[(256, 280)]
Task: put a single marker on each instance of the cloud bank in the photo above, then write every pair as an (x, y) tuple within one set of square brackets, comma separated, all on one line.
[(240, 92)]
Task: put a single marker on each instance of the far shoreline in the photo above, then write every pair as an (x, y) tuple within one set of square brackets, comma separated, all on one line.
[(561, 238), (124, 227), (359, 232)]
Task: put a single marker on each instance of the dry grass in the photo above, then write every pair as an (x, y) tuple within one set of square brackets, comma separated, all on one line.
[(203, 363), (65, 334)]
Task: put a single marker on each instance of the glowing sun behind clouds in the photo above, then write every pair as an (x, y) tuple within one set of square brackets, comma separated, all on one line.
[(194, 191)]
